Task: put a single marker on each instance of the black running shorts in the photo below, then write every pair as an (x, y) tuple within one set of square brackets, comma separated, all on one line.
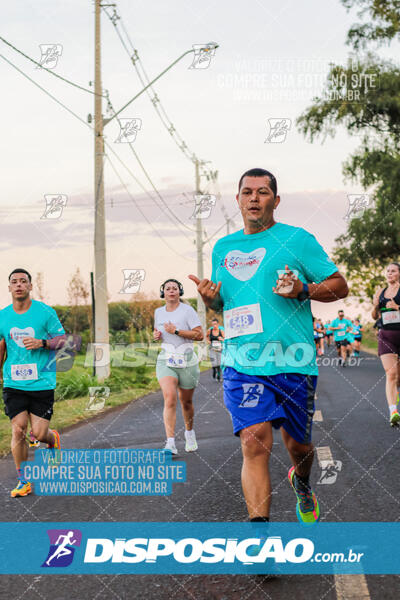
[(341, 343), (39, 403)]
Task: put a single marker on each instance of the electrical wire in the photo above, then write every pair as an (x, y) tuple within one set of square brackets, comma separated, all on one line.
[(49, 70), (149, 178), (155, 100), (45, 91), (87, 125), (158, 106), (143, 214)]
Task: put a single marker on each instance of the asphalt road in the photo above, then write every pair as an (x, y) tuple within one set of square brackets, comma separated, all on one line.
[(354, 426)]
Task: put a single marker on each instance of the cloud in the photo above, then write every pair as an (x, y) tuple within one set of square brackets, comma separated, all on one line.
[(319, 212)]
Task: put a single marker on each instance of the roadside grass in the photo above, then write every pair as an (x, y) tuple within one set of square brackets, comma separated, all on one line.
[(72, 394), (369, 339)]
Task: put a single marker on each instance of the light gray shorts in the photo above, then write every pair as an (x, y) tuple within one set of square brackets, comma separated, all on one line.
[(188, 377)]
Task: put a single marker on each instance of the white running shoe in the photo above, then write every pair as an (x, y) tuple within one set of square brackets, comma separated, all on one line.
[(191, 443), (171, 447)]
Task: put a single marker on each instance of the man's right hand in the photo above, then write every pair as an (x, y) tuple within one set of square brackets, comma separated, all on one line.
[(208, 290), (157, 335)]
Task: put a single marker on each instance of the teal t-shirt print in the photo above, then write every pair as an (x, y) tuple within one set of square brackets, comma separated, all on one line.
[(274, 334)]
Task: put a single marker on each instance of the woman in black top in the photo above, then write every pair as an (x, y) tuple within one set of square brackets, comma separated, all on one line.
[(215, 336), (387, 306)]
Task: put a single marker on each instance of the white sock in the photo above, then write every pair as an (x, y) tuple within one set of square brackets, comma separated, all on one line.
[(171, 441), (189, 434), (392, 408)]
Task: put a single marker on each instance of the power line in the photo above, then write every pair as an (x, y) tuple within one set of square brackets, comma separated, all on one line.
[(155, 100), (45, 91), (111, 149), (48, 70), (142, 213), (158, 106), (87, 125), (148, 176)]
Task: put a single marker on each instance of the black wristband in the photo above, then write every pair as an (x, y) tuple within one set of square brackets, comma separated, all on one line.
[(304, 294)]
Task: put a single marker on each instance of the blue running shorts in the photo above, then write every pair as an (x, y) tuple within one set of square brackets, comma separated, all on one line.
[(286, 399)]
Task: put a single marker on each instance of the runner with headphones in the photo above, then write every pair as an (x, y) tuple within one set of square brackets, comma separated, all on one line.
[(177, 326)]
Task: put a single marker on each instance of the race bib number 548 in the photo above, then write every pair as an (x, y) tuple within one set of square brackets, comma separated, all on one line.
[(24, 372), (243, 320)]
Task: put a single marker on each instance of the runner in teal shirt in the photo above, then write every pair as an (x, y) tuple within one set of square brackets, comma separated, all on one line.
[(339, 327), (262, 279), (26, 327)]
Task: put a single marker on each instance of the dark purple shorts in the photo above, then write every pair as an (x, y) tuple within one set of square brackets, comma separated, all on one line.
[(388, 341)]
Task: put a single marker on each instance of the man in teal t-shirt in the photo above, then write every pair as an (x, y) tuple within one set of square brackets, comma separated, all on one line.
[(340, 327), (263, 278), (26, 326)]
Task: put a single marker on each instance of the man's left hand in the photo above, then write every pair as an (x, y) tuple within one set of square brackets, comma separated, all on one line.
[(170, 327), (288, 285)]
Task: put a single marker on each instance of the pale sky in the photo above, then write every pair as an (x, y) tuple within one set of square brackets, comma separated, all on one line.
[(271, 62)]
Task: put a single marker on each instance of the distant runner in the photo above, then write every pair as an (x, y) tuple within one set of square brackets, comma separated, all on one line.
[(350, 341), (339, 327), (215, 337), (263, 278), (328, 333), (321, 333), (386, 303), (357, 331)]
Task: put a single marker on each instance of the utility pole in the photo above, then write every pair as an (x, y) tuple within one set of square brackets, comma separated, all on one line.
[(227, 219), (201, 309), (101, 334), (101, 305)]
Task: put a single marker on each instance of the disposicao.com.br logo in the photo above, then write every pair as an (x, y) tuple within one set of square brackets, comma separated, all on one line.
[(212, 550), (199, 547)]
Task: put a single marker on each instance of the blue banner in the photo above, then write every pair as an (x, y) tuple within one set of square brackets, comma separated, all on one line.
[(208, 548)]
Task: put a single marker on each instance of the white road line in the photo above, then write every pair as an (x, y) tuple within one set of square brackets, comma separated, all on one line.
[(348, 587), (351, 587), (317, 416)]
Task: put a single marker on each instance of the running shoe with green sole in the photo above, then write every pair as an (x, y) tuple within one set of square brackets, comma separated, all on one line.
[(395, 419), (307, 508)]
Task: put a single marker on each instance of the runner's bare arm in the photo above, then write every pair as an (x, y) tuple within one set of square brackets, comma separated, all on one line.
[(2, 355), (375, 302), (196, 334), (332, 288), (67, 341)]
